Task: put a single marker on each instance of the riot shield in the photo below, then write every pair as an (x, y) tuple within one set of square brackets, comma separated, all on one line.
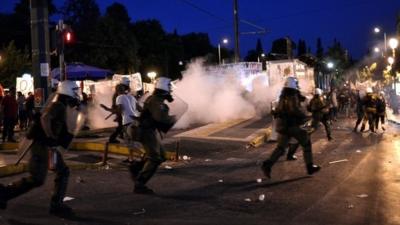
[(178, 107), (75, 120)]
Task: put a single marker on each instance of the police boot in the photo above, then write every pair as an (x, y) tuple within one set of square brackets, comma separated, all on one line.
[(311, 168), (266, 168)]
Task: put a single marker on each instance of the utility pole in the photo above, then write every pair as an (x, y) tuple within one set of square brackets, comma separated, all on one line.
[(236, 27), (40, 49), (60, 48)]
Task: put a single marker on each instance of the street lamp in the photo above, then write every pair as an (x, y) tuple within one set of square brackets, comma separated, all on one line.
[(330, 65), (377, 30), (224, 41), (390, 60), (377, 50), (152, 76), (393, 43)]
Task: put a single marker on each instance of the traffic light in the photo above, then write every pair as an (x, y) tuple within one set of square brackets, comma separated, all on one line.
[(68, 37)]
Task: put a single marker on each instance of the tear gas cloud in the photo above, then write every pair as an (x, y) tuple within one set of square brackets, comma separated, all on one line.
[(206, 96), (225, 95)]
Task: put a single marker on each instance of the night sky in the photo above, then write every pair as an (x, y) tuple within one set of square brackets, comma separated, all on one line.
[(349, 21)]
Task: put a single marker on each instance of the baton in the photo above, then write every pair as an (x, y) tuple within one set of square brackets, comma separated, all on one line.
[(22, 155), (109, 116)]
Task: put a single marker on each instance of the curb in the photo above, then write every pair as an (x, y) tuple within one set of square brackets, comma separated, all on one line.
[(9, 170), (395, 122)]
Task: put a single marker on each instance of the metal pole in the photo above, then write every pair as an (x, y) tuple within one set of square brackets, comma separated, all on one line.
[(236, 28), (61, 49), (219, 54), (385, 42), (40, 48)]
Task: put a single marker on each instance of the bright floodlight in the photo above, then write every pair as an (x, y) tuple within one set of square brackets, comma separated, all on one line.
[(376, 49), (377, 30), (262, 55), (330, 65), (390, 60), (225, 41), (393, 43), (152, 75)]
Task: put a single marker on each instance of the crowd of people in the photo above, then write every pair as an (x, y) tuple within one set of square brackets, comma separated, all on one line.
[(16, 109)]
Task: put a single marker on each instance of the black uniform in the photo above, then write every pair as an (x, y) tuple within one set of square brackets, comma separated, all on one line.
[(41, 148), (320, 114), (154, 119), (289, 119), (119, 129), (380, 112), (369, 104), (359, 111)]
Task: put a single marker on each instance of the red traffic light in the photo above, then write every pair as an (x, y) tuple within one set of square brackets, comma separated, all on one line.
[(68, 37)]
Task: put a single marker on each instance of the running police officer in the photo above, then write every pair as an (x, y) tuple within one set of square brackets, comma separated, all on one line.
[(289, 119), (50, 133), (154, 119)]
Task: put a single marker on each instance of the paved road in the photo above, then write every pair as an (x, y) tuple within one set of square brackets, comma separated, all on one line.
[(219, 186)]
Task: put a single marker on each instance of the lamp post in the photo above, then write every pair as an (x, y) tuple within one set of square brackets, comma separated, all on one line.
[(224, 41), (377, 30), (393, 43), (152, 76)]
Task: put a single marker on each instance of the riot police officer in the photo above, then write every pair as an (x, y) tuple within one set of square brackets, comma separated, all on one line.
[(50, 133), (289, 121), (320, 112), (380, 110), (154, 120), (359, 110), (369, 104)]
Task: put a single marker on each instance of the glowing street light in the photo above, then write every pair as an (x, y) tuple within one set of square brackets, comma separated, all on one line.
[(390, 60), (377, 50), (224, 41), (393, 43), (377, 30), (152, 76), (330, 65)]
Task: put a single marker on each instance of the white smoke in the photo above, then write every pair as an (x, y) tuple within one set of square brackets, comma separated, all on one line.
[(226, 95)]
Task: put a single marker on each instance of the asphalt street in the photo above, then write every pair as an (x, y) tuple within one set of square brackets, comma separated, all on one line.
[(359, 183)]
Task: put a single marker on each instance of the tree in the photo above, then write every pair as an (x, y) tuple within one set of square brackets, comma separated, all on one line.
[(301, 48), (255, 54), (82, 16), (13, 63), (320, 50)]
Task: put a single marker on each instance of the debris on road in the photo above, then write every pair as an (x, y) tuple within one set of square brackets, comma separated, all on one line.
[(140, 212), (185, 157), (261, 197), (358, 151), (79, 180), (66, 199), (259, 180), (168, 167), (338, 161), (208, 160), (362, 196), (221, 181), (350, 206), (247, 199)]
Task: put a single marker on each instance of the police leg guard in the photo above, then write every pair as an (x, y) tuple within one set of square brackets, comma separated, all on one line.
[(291, 152), (149, 169), (60, 186), (135, 168), (308, 159)]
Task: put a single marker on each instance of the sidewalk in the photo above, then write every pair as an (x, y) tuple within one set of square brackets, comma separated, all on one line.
[(393, 118)]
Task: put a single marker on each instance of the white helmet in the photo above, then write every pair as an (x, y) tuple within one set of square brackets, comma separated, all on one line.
[(163, 83), (292, 82), (69, 88), (318, 91), (369, 90), (125, 81)]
